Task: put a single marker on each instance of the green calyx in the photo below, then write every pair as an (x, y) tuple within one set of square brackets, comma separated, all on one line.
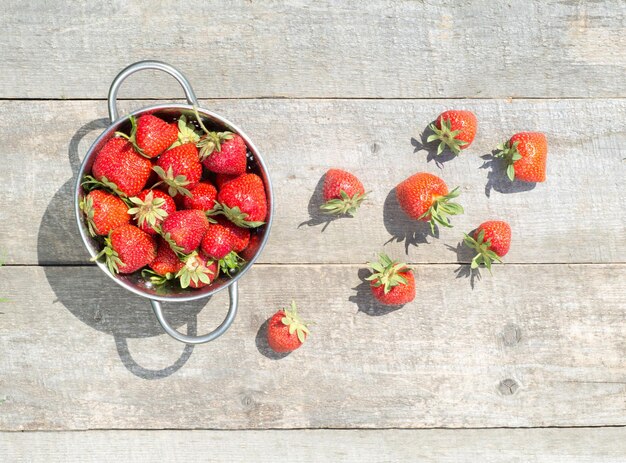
[(231, 263), (294, 322), (446, 137), (509, 153), (483, 248), (211, 141), (149, 210), (345, 205), (111, 257), (176, 183), (86, 205), (155, 278), (187, 133), (233, 214), (169, 240), (441, 209), (387, 273), (89, 183), (195, 270)]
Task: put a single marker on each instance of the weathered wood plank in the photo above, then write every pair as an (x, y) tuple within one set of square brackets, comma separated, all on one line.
[(546, 353), (573, 217), (582, 445), (401, 49)]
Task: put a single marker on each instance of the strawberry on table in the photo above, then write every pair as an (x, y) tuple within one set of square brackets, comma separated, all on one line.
[(491, 241), (343, 192), (150, 207), (180, 169), (121, 168), (104, 212), (391, 282), (526, 155), (425, 197), (184, 230), (127, 249), (286, 331), (151, 135), (243, 201), (454, 129), (198, 271), (203, 197)]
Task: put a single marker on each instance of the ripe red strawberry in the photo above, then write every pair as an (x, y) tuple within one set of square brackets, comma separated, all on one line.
[(150, 208), (526, 155), (491, 240), (425, 197), (127, 249), (104, 212), (223, 152), (222, 179), (343, 192), (166, 262), (203, 197), (239, 236), (119, 163), (185, 229), (391, 282), (197, 271), (286, 331), (153, 135), (217, 241), (252, 248), (455, 129), (243, 201), (180, 169)]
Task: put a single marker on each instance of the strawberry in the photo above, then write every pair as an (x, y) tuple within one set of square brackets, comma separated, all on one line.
[(127, 249), (526, 155), (104, 212), (203, 197), (425, 197), (224, 153), (166, 261), (217, 241), (180, 169), (286, 331), (243, 201), (151, 135), (121, 168), (391, 282), (239, 236), (198, 271), (150, 208), (343, 192), (221, 179), (455, 129), (185, 229), (252, 248), (491, 240)]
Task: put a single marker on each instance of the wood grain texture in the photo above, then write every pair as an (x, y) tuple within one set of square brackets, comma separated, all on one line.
[(81, 353), (405, 49), (573, 217), (583, 445)]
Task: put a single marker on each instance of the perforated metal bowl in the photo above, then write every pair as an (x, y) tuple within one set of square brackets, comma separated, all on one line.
[(134, 283)]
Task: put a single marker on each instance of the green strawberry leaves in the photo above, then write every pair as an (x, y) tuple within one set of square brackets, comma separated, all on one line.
[(187, 133), (234, 214), (231, 263), (441, 208), (446, 137), (195, 270), (295, 323), (149, 210), (510, 155), (387, 273), (210, 141), (90, 183), (155, 278), (111, 257), (176, 184), (346, 205), (86, 205), (484, 254)]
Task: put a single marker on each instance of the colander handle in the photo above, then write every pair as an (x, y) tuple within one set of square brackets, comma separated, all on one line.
[(140, 66), (230, 317)]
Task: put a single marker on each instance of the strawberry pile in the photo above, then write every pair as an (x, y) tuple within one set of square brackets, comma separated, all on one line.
[(175, 201)]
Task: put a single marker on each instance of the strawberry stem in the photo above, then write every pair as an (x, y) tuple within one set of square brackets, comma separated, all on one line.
[(441, 208), (446, 137), (510, 155), (346, 205)]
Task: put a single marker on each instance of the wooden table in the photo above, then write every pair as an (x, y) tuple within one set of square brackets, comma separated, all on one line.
[(526, 365)]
